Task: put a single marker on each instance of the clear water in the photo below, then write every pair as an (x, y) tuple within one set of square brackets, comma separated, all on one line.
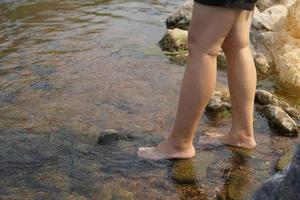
[(70, 69)]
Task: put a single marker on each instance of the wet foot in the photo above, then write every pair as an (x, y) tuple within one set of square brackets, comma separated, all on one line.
[(165, 151), (235, 140)]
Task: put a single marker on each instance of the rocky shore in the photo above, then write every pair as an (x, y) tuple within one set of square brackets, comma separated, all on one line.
[(275, 39)]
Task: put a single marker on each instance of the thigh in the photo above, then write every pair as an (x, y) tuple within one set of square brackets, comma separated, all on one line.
[(210, 25), (238, 36)]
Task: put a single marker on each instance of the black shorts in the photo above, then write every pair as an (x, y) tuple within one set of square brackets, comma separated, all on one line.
[(237, 4)]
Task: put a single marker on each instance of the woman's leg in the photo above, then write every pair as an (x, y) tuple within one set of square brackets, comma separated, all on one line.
[(242, 82), (207, 31)]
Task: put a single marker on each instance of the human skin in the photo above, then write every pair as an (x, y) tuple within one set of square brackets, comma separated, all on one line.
[(212, 28)]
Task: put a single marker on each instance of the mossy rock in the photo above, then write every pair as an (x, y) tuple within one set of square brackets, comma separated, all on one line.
[(191, 170), (283, 161)]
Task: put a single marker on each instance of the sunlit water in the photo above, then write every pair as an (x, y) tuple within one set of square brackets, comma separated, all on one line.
[(70, 69)]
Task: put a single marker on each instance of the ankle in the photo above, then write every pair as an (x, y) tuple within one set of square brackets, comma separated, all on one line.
[(244, 133), (242, 136), (180, 145)]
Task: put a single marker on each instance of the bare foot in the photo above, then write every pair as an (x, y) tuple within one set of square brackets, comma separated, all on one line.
[(165, 151), (235, 140)]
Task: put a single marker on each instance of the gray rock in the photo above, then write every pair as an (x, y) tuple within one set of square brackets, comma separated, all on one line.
[(278, 118), (217, 104), (283, 185), (110, 135), (264, 97), (181, 17), (292, 112)]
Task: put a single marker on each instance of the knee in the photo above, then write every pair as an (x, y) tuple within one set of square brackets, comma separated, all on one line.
[(235, 43), (198, 44)]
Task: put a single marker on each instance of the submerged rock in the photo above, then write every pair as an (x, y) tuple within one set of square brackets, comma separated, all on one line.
[(112, 193), (184, 172), (190, 171), (283, 185), (174, 40), (110, 135), (278, 118), (283, 161)]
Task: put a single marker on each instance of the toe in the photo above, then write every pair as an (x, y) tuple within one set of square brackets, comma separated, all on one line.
[(149, 153)]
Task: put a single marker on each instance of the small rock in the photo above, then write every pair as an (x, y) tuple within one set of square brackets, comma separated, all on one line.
[(283, 161), (216, 104), (221, 61), (278, 118), (261, 63), (174, 40), (181, 17), (110, 135)]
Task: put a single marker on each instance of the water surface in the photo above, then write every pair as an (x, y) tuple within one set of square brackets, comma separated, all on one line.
[(70, 69)]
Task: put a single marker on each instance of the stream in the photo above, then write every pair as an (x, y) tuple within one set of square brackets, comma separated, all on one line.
[(70, 70)]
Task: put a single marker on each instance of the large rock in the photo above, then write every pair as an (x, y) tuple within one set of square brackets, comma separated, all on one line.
[(285, 50), (272, 18), (283, 185), (174, 40), (264, 4), (288, 3), (289, 67), (294, 20), (275, 34)]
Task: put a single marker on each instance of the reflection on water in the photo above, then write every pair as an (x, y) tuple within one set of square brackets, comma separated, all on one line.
[(68, 70)]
